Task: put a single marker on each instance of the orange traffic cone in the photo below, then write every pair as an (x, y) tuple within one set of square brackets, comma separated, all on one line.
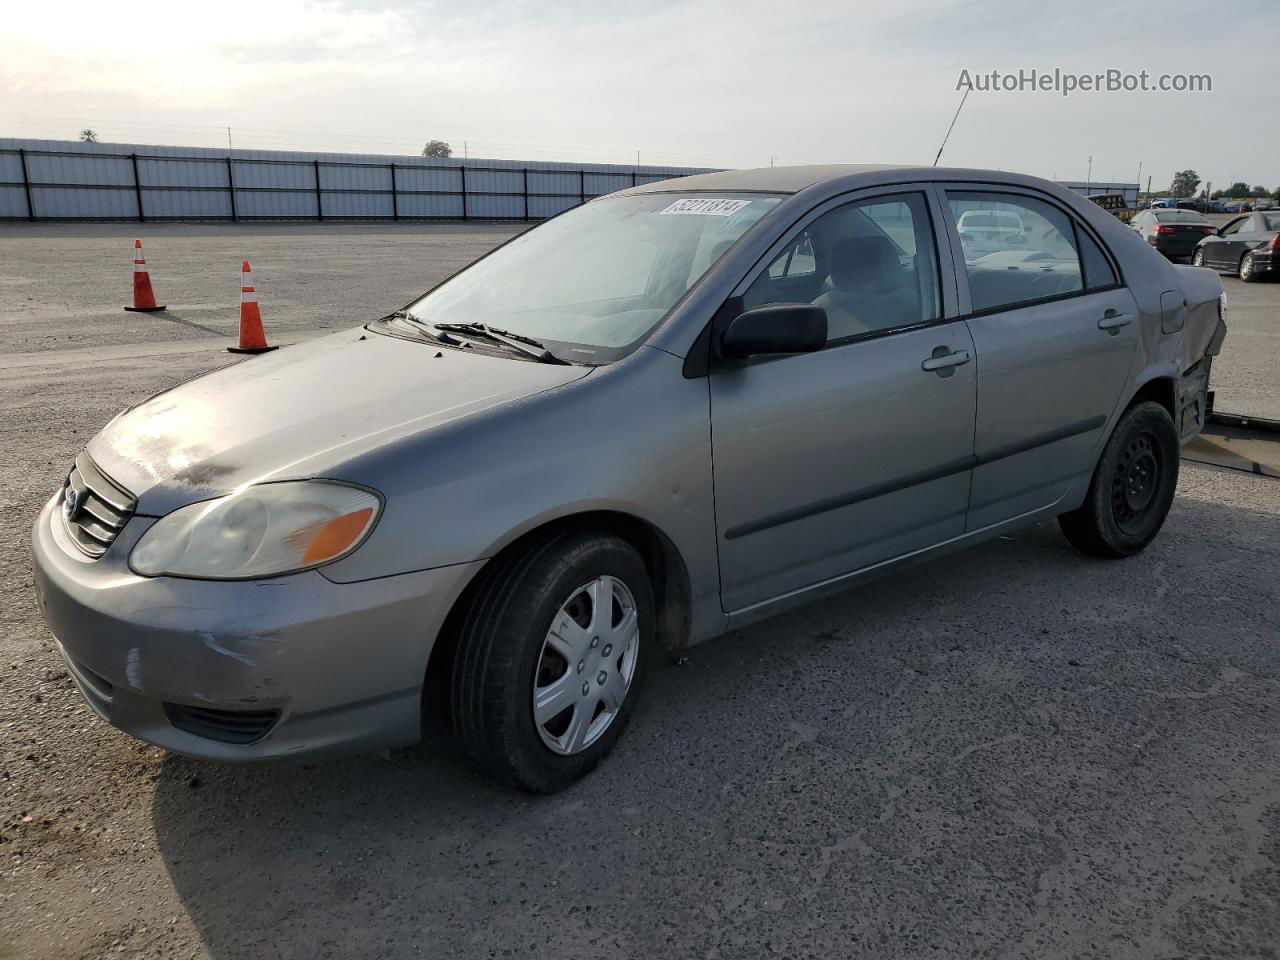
[(144, 300), (253, 339)]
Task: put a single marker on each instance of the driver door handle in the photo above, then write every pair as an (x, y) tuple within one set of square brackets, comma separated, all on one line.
[(1111, 320), (946, 360)]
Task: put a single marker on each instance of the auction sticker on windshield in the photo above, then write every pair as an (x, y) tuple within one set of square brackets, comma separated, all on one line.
[(706, 207)]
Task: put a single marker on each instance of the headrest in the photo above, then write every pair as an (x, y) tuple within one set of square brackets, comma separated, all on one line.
[(865, 263)]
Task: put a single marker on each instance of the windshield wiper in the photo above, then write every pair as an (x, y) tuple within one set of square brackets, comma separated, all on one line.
[(514, 341), (424, 328)]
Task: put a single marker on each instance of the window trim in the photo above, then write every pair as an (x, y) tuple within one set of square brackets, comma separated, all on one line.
[(946, 187)]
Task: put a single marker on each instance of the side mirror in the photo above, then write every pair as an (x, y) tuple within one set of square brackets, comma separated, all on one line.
[(776, 329)]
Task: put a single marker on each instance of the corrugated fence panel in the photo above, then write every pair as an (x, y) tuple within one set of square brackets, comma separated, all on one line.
[(13, 203), (182, 172), (424, 178), (74, 203), (102, 181), (277, 204), (439, 205), (187, 204), (505, 208), (352, 177), (11, 167), (371, 206)]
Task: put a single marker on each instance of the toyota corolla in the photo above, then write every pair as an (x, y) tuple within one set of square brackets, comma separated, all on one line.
[(662, 415)]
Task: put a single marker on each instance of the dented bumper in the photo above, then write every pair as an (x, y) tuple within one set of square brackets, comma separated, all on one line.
[(241, 671)]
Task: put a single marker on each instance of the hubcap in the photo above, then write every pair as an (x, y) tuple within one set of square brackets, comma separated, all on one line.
[(586, 665), (1137, 478), (1246, 266)]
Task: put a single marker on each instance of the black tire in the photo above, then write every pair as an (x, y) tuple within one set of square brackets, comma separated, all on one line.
[(1197, 258), (1132, 487), (1248, 271), (499, 647)]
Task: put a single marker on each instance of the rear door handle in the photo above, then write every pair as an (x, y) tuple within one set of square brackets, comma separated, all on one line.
[(1114, 321), (946, 360)]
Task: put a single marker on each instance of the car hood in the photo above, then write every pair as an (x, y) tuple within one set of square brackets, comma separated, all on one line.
[(302, 411)]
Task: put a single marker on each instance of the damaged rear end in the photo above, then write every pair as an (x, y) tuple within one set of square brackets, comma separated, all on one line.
[(1197, 316)]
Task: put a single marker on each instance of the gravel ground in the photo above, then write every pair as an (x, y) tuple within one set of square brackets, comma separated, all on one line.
[(1011, 752)]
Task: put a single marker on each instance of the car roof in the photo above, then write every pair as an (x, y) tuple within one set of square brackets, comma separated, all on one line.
[(848, 176)]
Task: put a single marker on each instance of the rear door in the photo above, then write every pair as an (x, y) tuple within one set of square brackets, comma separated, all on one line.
[(1055, 331), (829, 462)]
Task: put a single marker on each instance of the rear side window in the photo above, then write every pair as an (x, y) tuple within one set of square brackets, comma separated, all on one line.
[(1098, 272), (1031, 255)]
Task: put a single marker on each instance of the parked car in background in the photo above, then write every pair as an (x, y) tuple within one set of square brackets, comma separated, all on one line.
[(665, 414), (1160, 202), (989, 231), (1265, 205), (1248, 246), (1175, 233), (1237, 206)]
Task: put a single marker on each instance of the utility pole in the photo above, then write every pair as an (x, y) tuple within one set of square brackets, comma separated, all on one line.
[(1088, 185), (228, 138), (1135, 198)]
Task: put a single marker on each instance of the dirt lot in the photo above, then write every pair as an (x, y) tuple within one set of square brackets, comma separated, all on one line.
[(1012, 752)]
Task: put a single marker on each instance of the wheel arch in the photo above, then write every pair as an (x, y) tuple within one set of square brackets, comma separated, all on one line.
[(1163, 389), (668, 573)]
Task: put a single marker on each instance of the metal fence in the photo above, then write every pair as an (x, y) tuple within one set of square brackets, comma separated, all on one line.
[(43, 181)]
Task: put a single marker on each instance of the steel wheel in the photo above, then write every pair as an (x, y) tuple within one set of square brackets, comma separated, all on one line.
[(1197, 258), (1136, 480), (586, 665)]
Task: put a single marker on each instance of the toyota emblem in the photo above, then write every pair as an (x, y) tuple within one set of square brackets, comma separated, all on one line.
[(72, 501)]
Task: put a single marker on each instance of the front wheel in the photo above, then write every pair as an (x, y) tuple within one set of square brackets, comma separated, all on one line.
[(551, 657), (1132, 487), (1248, 270)]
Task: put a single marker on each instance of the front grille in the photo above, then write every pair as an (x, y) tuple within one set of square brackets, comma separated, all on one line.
[(227, 726), (100, 509)]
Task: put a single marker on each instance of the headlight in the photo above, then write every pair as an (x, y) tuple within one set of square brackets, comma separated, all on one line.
[(262, 531)]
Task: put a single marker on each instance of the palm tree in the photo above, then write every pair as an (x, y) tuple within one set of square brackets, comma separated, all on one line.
[(88, 136)]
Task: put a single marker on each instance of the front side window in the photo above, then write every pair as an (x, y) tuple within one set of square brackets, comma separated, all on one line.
[(1234, 226), (870, 265), (1016, 249), (593, 281)]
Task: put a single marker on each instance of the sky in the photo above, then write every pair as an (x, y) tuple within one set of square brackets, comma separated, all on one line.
[(712, 83)]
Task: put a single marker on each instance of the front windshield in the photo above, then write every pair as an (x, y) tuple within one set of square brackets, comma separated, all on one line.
[(599, 277)]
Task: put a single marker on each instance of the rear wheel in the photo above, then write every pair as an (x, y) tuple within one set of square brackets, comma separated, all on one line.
[(1197, 258), (551, 658), (1132, 487), (1248, 270)]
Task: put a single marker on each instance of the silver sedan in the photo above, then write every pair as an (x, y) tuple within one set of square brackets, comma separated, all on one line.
[(660, 416)]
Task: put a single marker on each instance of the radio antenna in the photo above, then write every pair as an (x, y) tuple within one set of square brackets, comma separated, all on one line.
[(953, 124)]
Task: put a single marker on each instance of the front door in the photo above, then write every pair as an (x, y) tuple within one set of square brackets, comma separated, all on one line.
[(1055, 332), (830, 462)]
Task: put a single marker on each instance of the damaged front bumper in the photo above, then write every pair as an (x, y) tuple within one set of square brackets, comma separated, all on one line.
[(242, 670)]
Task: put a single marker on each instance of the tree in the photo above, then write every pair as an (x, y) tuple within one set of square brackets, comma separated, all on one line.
[(1237, 189), (437, 148), (1275, 194), (88, 136), (1184, 183), (1258, 192)]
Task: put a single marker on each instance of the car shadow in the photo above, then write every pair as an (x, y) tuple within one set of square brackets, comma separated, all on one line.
[(816, 779)]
